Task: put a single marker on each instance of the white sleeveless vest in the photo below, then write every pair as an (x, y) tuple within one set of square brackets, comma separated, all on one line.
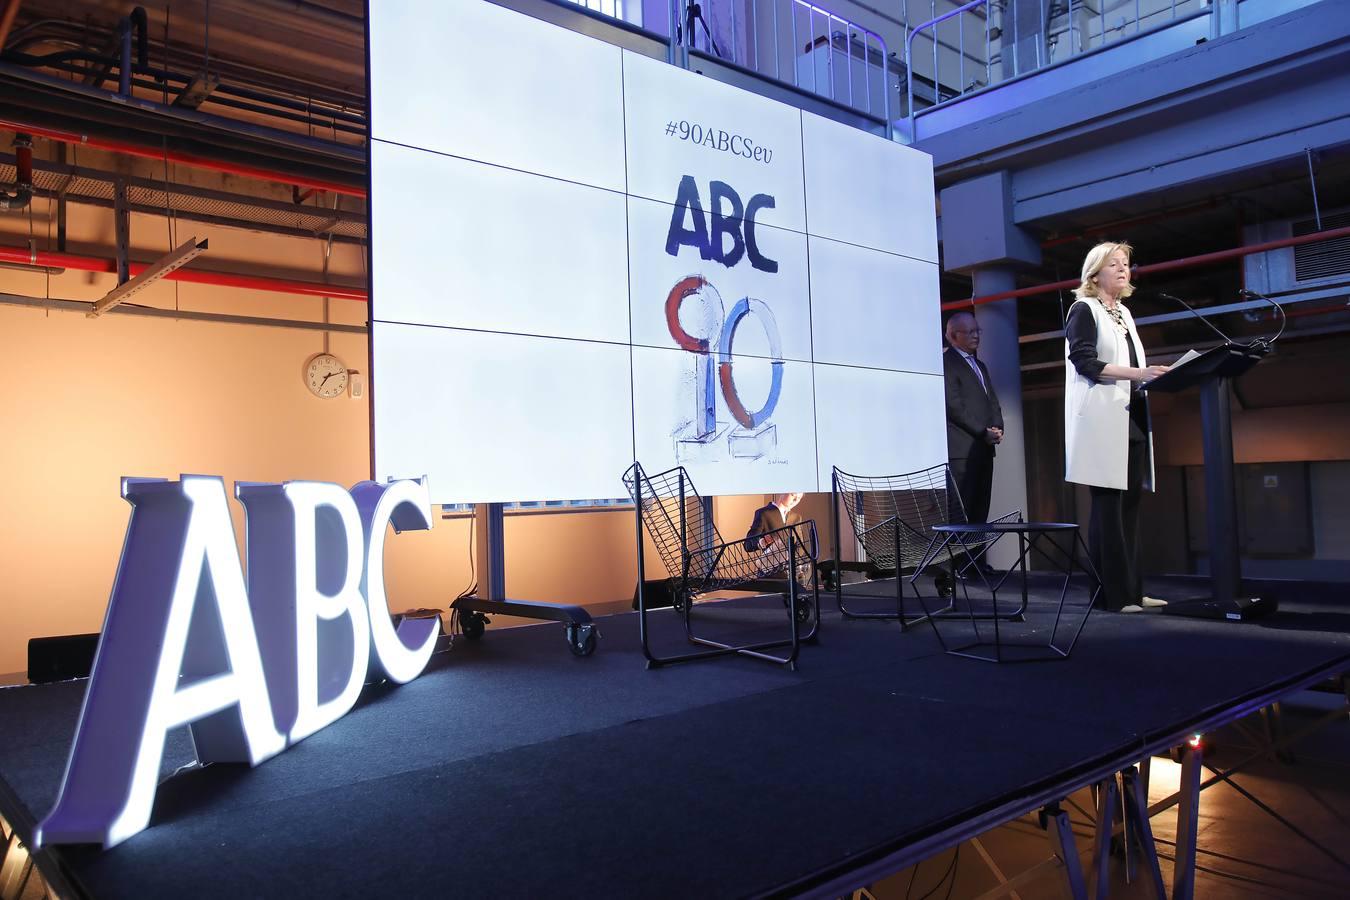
[(1096, 414)]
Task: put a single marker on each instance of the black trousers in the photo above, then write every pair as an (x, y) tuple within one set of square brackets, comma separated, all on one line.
[(974, 480), (1113, 534)]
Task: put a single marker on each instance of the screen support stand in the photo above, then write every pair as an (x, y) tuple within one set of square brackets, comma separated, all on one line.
[(488, 532), (490, 599)]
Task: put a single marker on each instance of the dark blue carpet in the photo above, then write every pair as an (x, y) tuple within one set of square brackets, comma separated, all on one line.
[(513, 768)]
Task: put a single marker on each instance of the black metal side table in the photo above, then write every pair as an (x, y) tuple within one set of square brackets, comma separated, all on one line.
[(1022, 634)]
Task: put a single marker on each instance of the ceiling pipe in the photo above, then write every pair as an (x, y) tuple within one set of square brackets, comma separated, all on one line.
[(140, 22), (1185, 262), (83, 36), (26, 257), (186, 315), (1318, 310), (1098, 230), (121, 43), (23, 174), (7, 19), (187, 159), (271, 105), (79, 61), (317, 11)]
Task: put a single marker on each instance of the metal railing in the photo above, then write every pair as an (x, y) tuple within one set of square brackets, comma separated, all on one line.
[(961, 55), (629, 11), (1016, 37), (960, 50), (793, 42), (830, 56)]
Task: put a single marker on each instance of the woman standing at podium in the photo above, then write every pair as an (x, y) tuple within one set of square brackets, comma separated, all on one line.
[(1108, 444)]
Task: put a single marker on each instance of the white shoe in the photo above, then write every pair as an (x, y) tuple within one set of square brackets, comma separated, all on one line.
[(1132, 608), (1152, 602)]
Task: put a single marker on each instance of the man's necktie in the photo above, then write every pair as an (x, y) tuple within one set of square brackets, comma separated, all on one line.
[(978, 374)]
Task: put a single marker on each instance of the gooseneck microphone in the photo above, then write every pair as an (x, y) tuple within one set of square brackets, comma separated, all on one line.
[(1253, 295), (1210, 325)]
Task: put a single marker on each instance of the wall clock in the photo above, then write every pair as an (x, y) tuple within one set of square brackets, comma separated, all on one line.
[(326, 376)]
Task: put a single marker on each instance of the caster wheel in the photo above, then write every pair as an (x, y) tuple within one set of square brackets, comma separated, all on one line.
[(473, 624), (944, 587), (581, 639), (804, 610)]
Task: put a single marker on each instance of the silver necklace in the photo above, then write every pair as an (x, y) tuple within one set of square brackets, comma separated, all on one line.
[(1115, 314)]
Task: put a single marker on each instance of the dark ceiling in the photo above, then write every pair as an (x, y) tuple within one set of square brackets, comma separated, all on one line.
[(297, 66), (314, 44), (1202, 219)]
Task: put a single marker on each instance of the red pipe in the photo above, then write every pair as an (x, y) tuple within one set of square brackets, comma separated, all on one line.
[(187, 159), (1186, 262), (22, 256), (1126, 223), (23, 174), (1317, 311), (1009, 295), (254, 283)]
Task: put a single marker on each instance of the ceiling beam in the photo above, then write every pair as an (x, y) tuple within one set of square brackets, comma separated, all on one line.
[(157, 270)]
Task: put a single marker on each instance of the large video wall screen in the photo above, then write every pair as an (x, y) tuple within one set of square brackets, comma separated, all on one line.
[(582, 256)]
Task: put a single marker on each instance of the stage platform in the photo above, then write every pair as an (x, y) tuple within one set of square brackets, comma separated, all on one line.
[(512, 768)]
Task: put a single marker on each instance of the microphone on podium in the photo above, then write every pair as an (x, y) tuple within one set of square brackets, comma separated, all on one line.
[(1210, 325), (1253, 295)]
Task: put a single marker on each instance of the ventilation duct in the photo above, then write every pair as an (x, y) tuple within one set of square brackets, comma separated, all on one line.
[(1318, 269), (1319, 261)]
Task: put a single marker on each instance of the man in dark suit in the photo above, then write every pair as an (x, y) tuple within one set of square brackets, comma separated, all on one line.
[(779, 512), (773, 548), (974, 418)]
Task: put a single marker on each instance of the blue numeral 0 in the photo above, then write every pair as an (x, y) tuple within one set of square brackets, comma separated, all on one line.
[(743, 308)]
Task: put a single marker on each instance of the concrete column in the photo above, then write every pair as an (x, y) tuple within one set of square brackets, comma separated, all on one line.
[(980, 237), (1000, 351)]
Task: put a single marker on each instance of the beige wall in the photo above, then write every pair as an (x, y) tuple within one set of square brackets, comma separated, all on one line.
[(92, 400), (89, 401), (1313, 433)]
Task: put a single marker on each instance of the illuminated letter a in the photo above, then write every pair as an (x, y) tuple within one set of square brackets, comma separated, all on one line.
[(178, 648)]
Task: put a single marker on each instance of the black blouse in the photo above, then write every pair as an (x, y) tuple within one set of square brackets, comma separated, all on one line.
[(1080, 330)]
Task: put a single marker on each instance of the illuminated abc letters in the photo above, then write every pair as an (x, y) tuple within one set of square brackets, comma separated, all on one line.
[(250, 671)]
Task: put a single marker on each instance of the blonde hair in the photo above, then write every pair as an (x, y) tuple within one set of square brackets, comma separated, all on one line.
[(1095, 262)]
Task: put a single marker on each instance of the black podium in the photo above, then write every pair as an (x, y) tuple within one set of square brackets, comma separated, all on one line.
[(1211, 372)]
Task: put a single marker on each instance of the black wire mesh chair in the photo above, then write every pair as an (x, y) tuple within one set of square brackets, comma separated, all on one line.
[(700, 562), (891, 517)]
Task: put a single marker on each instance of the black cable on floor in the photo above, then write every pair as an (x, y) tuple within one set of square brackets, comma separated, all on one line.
[(950, 873)]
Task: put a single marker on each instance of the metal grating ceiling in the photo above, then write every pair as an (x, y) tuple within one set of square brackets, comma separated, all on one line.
[(96, 187)]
